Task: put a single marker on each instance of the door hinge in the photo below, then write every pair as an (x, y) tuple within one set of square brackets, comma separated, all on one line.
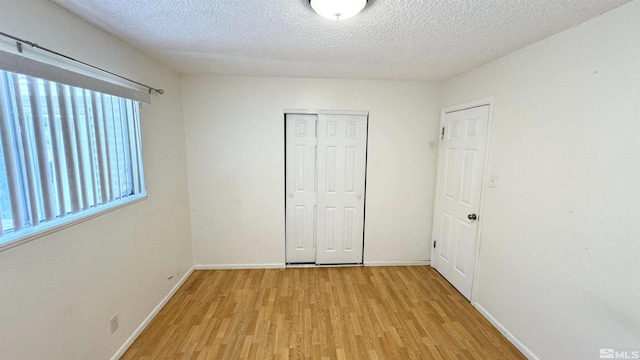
[(434, 243), (442, 135)]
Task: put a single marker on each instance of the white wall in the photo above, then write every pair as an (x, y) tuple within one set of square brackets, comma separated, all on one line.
[(58, 292), (559, 260), (235, 148)]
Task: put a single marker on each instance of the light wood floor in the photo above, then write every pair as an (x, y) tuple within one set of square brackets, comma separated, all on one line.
[(346, 313)]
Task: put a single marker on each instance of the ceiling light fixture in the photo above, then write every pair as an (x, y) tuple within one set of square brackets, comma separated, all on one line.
[(338, 9)]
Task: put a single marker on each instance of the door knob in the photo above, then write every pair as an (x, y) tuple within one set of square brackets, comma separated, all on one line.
[(472, 217)]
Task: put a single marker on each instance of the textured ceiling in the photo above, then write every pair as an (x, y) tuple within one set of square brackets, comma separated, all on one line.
[(390, 39)]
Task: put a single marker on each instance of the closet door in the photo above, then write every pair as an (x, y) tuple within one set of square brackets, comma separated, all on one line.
[(300, 188), (341, 167)]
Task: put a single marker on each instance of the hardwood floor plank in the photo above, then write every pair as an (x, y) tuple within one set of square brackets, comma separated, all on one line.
[(349, 313)]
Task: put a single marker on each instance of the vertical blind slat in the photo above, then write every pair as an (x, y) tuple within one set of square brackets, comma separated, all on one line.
[(10, 161), (123, 146), (58, 153), (124, 120), (92, 149), (83, 196), (122, 160), (108, 148), (69, 148), (132, 144), (42, 155), (114, 135), (30, 173), (24, 154), (139, 165), (100, 145)]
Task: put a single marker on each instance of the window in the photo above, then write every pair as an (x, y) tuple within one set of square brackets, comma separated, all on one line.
[(67, 153)]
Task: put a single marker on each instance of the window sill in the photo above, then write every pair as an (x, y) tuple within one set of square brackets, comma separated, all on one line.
[(10, 241)]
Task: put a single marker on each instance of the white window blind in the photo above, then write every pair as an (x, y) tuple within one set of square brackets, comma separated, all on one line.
[(67, 153)]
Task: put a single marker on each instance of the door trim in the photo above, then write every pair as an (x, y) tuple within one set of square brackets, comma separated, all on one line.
[(483, 188), (326, 112), (366, 173)]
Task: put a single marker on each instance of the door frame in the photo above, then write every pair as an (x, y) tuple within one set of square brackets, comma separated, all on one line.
[(366, 173), (483, 188)]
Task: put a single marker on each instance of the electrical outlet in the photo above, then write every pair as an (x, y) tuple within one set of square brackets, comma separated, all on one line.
[(113, 322)]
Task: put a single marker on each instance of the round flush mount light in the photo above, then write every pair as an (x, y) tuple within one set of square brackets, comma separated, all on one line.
[(338, 9)]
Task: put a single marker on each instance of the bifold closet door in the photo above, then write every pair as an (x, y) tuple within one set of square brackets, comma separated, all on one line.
[(325, 188), (341, 167), (301, 188)]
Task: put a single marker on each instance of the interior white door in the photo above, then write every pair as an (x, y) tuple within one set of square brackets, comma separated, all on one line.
[(341, 167), (460, 175), (300, 188)]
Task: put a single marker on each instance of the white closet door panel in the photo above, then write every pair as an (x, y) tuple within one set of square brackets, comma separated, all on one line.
[(341, 168), (301, 188)]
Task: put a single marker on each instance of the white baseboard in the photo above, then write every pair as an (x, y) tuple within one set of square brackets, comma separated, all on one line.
[(238, 266), (397, 263), (514, 340), (282, 266), (150, 317)]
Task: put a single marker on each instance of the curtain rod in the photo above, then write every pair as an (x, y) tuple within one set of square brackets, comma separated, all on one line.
[(19, 43)]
